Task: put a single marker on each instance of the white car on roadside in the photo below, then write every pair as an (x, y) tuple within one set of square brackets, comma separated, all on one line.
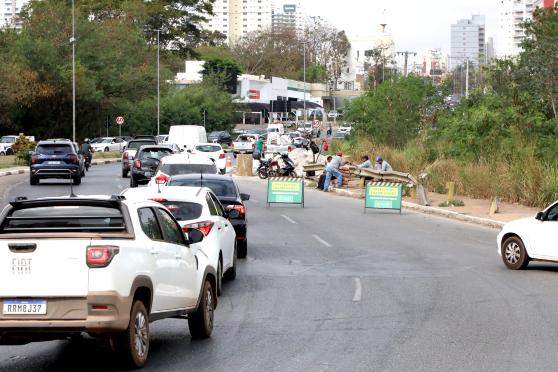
[(214, 152), (345, 128), (106, 266), (107, 144), (199, 208), (530, 239), (182, 163)]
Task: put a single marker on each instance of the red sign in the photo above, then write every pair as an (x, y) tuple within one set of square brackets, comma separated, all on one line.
[(253, 94), (120, 120)]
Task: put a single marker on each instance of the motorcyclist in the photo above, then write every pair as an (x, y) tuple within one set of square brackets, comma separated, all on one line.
[(87, 150)]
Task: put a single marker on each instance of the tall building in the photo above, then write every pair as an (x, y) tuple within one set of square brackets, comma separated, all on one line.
[(236, 18), (288, 15), (468, 41), (9, 10), (434, 65), (513, 13)]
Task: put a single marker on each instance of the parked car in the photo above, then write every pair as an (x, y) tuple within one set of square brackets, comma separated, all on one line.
[(530, 239), (198, 208), (101, 265), (6, 143), (130, 152), (145, 137), (146, 162), (334, 114), (163, 138), (214, 152), (183, 163), (55, 159), (345, 128), (258, 131), (339, 135), (230, 197), (109, 144), (222, 137)]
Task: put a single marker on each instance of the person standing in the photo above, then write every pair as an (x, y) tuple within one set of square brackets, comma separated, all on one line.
[(332, 170), (259, 147), (383, 165)]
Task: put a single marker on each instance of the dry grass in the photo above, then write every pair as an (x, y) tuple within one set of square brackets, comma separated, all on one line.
[(8, 162), (107, 155)]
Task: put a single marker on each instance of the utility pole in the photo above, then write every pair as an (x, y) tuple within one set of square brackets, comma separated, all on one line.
[(158, 87), (406, 54), (73, 41), (304, 67), (467, 79)]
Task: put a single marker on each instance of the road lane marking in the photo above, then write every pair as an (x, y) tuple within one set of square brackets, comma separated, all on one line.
[(289, 219), (358, 290), (322, 241)]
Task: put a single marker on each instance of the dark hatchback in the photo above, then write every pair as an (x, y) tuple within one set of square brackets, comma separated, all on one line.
[(230, 197), (55, 159), (222, 137), (146, 162)]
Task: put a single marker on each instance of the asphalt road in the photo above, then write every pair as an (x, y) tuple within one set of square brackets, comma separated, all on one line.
[(330, 288)]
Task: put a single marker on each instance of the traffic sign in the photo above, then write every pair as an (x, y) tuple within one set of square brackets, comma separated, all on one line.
[(120, 120), (383, 195), (316, 123), (285, 190)]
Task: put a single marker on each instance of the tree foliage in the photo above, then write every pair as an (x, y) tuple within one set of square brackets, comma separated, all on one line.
[(227, 69)]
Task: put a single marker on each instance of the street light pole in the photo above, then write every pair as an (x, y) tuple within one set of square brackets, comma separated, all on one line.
[(73, 41), (304, 73), (158, 86)]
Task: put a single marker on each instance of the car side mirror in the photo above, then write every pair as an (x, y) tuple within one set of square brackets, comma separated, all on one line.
[(244, 197), (539, 216), (194, 236), (233, 213)]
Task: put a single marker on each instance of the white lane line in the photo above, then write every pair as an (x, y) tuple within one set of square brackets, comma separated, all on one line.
[(289, 219), (358, 290), (322, 241)]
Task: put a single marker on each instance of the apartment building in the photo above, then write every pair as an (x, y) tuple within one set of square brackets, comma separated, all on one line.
[(468, 41), (9, 10)]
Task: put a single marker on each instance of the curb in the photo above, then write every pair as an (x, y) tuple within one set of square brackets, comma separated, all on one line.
[(14, 172), (486, 222)]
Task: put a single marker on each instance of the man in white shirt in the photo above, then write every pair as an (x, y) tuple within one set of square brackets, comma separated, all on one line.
[(382, 165)]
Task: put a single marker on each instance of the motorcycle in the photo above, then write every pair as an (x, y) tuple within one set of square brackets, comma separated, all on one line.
[(87, 157), (270, 167)]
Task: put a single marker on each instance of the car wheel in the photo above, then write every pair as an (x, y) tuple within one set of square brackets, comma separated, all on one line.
[(133, 343), (292, 174), (231, 273), (242, 248), (124, 173), (514, 255), (106, 149), (220, 276), (133, 182), (223, 171), (33, 180), (200, 322), (77, 180), (9, 152)]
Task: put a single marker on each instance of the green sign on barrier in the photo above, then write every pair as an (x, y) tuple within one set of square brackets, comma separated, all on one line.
[(285, 190), (383, 195)]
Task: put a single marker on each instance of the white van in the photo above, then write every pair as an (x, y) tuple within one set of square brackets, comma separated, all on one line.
[(187, 136), (276, 128)]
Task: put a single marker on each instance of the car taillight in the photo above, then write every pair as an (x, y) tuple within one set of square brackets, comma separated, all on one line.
[(137, 164), (240, 208), (162, 179), (125, 155), (253, 146), (74, 158), (289, 149), (265, 148), (34, 159), (100, 256), (204, 226), (222, 156)]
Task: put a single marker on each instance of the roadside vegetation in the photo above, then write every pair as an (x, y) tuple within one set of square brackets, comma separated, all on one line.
[(502, 141)]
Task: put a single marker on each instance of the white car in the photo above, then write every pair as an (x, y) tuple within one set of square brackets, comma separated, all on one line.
[(107, 144), (102, 265), (198, 208), (333, 114), (532, 238), (345, 128), (212, 151), (182, 163)]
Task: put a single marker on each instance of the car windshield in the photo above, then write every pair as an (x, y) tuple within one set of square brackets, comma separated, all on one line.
[(137, 144), (74, 218), (7, 140), (208, 148), (155, 153), (176, 169), (106, 140), (221, 188), (184, 211), (54, 149)]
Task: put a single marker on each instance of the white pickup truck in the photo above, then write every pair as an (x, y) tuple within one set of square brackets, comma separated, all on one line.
[(278, 144), (102, 265), (244, 144), (6, 143)]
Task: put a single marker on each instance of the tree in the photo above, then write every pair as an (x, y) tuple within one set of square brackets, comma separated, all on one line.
[(338, 50), (227, 70)]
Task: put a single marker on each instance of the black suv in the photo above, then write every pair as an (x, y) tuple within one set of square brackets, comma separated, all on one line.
[(222, 137), (55, 159), (146, 162), (230, 197)]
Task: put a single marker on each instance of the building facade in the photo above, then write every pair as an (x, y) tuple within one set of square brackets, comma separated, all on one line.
[(9, 10), (468, 41), (288, 16), (236, 18), (513, 13), (434, 65)]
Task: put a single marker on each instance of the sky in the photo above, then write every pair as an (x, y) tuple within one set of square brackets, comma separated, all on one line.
[(416, 25)]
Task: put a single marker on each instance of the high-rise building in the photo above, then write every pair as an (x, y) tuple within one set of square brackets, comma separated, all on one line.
[(513, 13), (288, 15), (9, 10), (468, 41), (236, 18)]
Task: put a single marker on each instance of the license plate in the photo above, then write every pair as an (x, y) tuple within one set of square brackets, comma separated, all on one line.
[(24, 307), (243, 151), (148, 174), (54, 162)]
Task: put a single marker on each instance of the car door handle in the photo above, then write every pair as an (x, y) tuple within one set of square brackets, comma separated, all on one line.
[(154, 251)]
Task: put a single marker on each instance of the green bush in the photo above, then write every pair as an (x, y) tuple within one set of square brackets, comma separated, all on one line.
[(22, 148)]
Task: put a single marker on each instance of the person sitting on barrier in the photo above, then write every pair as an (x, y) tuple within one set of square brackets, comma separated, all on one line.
[(383, 165), (332, 170), (321, 180), (366, 163)]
